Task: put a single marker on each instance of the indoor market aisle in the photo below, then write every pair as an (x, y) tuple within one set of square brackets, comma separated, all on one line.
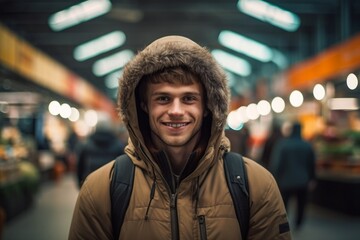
[(50, 218)]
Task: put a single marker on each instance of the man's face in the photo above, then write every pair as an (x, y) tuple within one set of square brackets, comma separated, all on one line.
[(175, 113)]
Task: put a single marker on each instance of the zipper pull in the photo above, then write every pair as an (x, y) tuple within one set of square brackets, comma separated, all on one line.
[(201, 219), (173, 200), (202, 227)]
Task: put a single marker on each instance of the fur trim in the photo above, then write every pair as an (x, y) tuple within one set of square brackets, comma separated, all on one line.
[(175, 51)]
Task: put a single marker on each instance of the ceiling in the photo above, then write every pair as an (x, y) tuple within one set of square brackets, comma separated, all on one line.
[(323, 24)]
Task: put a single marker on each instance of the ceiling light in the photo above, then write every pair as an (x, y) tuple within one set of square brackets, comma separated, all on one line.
[(112, 80), (231, 78), (296, 98), (79, 13), (111, 63), (279, 59), (99, 45), (91, 118), (75, 115), (234, 121), (232, 63), (352, 81), (65, 110), (242, 114), (252, 112), (343, 104), (319, 92), (264, 107), (54, 108), (245, 46), (278, 104), (270, 13)]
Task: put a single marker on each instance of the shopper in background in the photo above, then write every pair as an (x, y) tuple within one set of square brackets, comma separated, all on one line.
[(239, 140), (274, 136), (100, 147), (174, 100), (293, 166)]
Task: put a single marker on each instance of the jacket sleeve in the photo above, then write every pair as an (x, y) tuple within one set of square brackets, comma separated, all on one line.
[(268, 218), (91, 217)]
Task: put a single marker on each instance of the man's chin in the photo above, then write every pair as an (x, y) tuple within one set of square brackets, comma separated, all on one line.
[(175, 142)]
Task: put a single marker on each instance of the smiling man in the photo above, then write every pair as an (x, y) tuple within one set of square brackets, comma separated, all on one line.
[(175, 104), (174, 99)]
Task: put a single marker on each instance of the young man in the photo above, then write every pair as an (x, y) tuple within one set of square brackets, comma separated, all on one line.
[(174, 100)]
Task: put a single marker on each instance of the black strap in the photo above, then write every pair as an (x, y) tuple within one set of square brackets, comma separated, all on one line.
[(120, 190), (236, 178)]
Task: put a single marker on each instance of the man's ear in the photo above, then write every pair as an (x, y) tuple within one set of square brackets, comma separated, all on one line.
[(144, 107)]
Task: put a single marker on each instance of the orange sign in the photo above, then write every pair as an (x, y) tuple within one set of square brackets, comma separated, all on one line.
[(20, 57), (340, 59)]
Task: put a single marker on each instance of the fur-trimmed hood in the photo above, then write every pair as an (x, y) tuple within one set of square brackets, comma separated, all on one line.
[(173, 51)]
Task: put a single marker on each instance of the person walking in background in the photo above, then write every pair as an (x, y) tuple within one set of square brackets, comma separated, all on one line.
[(239, 140), (293, 166), (100, 147), (274, 136), (174, 101)]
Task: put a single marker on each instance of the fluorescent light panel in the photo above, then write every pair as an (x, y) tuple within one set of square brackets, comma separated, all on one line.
[(252, 48), (79, 13), (99, 45), (245, 45), (232, 63), (112, 80), (111, 63), (270, 13), (279, 59)]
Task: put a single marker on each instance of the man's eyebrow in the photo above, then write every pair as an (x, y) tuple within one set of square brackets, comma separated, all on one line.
[(167, 93), (159, 93)]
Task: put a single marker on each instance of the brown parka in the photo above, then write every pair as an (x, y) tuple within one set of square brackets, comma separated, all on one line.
[(198, 205)]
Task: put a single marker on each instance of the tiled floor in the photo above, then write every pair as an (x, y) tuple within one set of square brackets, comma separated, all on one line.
[(50, 218), (324, 224)]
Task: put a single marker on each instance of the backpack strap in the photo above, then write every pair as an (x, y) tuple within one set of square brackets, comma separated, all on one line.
[(120, 191), (236, 178)]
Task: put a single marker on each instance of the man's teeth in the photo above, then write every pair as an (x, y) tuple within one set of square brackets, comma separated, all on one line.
[(175, 125)]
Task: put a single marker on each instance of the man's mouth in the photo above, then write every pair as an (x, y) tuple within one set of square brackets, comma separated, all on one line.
[(175, 125)]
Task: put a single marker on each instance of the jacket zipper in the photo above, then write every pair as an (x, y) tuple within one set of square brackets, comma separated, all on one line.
[(174, 217), (202, 227), (173, 207)]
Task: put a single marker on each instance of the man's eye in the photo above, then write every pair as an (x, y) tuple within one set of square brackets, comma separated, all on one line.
[(163, 99), (189, 98)]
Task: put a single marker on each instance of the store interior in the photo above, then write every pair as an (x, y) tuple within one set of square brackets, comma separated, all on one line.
[(49, 102)]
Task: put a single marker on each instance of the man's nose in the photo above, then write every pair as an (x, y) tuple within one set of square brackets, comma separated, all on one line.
[(176, 108)]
